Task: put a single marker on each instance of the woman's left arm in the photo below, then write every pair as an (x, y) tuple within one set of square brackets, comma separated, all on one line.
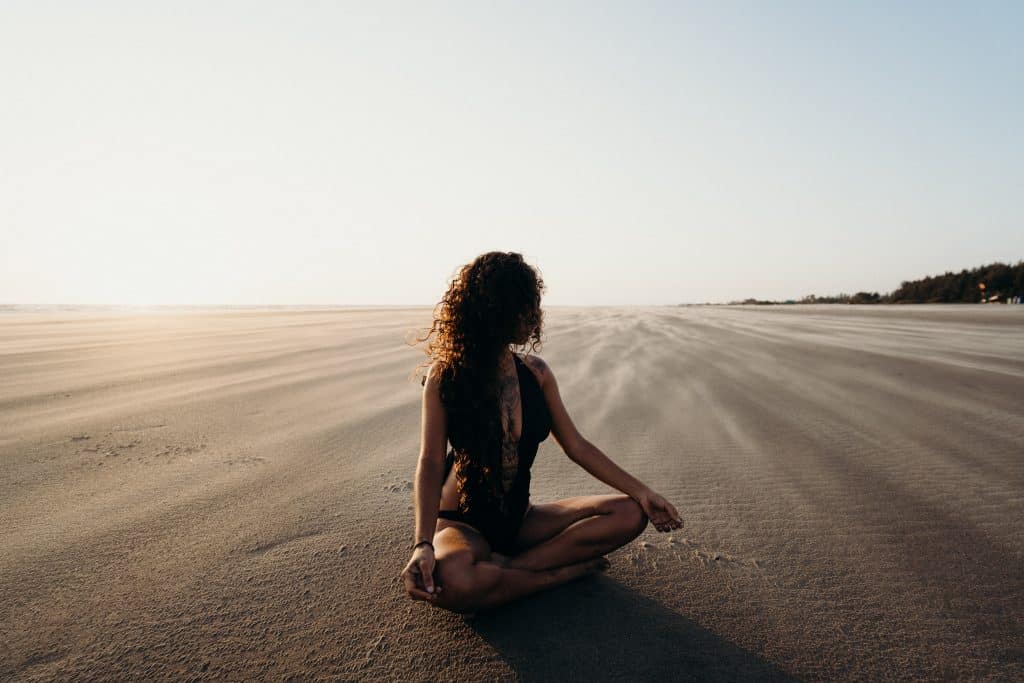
[(588, 456), (663, 514)]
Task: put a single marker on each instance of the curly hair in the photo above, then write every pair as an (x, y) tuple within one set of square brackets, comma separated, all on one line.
[(492, 302)]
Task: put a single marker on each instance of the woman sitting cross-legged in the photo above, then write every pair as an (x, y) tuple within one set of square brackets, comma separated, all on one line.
[(479, 542)]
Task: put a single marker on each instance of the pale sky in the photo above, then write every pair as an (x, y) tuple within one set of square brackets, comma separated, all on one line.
[(636, 153)]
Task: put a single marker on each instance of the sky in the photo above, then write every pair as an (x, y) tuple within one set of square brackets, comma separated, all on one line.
[(635, 153)]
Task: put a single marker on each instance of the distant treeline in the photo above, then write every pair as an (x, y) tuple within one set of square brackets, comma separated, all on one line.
[(994, 282)]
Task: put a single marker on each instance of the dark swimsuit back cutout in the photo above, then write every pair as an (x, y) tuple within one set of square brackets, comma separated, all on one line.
[(501, 530)]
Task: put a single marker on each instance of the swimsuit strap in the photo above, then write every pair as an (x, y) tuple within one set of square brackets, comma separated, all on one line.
[(520, 367)]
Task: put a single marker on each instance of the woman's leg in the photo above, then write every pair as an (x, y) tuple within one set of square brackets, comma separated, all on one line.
[(471, 582), (575, 529)]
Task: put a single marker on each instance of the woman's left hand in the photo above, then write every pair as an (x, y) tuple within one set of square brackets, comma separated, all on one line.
[(662, 513)]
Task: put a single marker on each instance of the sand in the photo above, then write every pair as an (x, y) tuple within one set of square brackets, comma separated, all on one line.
[(227, 495)]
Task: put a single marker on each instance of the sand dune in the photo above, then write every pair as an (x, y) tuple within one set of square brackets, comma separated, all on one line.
[(227, 494)]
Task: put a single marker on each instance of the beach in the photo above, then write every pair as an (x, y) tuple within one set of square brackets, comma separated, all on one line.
[(227, 494)]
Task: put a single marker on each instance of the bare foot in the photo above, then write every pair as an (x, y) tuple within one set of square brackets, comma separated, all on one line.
[(582, 568), (559, 575)]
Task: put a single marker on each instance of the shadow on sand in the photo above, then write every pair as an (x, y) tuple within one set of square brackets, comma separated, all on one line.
[(597, 629)]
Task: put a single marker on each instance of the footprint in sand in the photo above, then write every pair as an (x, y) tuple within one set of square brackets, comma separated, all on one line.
[(284, 541), (142, 428), (244, 460), (112, 446), (180, 450), (686, 550)]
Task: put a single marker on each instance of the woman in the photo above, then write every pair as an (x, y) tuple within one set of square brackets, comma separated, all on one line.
[(479, 542)]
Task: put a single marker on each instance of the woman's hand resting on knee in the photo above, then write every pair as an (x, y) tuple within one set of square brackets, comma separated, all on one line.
[(663, 514), (418, 575)]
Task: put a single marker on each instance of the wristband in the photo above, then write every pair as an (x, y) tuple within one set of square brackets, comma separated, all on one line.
[(417, 545)]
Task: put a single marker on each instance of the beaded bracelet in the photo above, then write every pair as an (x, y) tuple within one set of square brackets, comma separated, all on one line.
[(417, 545)]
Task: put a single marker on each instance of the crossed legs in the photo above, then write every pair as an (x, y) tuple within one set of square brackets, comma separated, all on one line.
[(574, 529), (560, 542)]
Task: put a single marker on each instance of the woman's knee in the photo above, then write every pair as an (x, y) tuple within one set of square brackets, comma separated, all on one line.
[(454, 572), (634, 519)]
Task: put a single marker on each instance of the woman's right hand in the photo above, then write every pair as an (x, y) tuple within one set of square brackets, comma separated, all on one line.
[(418, 575)]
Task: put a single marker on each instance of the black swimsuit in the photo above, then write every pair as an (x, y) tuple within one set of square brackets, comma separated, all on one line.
[(501, 530)]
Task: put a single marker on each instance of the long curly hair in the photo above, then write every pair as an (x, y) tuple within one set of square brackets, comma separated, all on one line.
[(491, 303)]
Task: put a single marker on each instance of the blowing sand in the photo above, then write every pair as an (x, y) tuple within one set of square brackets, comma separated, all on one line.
[(228, 495)]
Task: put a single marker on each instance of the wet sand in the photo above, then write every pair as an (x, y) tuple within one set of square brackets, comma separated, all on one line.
[(227, 495)]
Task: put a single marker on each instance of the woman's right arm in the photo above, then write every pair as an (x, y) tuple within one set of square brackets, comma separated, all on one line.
[(427, 488), (430, 466)]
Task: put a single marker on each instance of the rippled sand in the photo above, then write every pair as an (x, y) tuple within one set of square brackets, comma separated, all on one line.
[(227, 495)]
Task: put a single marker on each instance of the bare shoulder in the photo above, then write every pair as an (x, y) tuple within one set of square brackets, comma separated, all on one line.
[(433, 375), (537, 365)]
